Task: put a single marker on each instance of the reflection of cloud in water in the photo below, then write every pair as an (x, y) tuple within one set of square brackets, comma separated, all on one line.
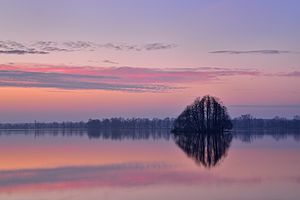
[(114, 175)]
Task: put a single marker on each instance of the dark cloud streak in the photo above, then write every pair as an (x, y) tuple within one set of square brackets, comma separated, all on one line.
[(272, 51), (22, 52), (159, 46), (46, 47), (110, 62), (289, 74)]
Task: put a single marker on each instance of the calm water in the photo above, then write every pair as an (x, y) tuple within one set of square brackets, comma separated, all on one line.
[(147, 165)]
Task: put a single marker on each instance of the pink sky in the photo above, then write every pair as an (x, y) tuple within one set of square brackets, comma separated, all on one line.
[(62, 92), (76, 60)]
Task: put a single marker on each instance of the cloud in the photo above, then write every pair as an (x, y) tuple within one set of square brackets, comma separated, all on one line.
[(159, 46), (46, 47), (15, 48), (289, 74), (121, 47), (130, 79), (72, 82), (145, 47), (68, 46), (22, 52), (110, 62), (272, 51)]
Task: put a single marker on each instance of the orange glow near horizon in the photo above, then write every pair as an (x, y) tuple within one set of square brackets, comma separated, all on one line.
[(77, 93)]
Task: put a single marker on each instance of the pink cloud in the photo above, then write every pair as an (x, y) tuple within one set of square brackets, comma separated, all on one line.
[(290, 74), (133, 79)]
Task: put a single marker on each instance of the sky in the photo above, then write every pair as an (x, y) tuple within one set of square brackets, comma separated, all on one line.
[(66, 60)]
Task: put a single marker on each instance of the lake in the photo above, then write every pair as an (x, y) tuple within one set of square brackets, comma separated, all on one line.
[(138, 165)]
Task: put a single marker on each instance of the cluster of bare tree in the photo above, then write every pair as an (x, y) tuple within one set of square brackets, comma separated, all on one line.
[(204, 115)]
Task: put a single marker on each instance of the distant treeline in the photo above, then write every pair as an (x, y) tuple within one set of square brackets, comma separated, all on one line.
[(112, 123), (246, 128), (43, 125), (245, 122), (248, 122)]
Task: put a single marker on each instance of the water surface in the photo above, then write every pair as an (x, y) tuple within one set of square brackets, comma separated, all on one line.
[(147, 165)]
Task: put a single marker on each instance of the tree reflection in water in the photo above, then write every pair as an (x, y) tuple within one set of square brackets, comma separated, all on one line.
[(207, 149)]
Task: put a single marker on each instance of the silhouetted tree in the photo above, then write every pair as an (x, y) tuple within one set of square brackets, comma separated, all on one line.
[(204, 115)]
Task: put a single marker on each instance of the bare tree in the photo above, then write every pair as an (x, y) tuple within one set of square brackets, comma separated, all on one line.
[(206, 114)]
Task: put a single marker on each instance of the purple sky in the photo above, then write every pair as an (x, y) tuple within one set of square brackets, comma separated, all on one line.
[(154, 56)]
